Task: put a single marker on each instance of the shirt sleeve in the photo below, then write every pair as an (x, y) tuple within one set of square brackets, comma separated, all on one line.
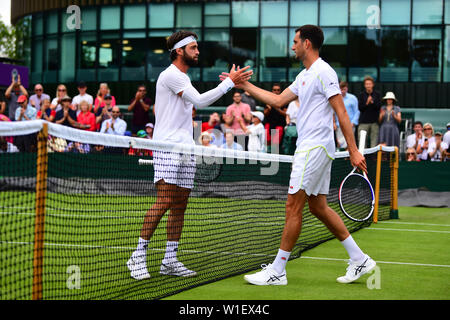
[(177, 82), (294, 86), (328, 83)]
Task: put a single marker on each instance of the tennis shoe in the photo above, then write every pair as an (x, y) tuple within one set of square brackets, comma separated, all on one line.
[(356, 269), (267, 276), (138, 267), (176, 268)]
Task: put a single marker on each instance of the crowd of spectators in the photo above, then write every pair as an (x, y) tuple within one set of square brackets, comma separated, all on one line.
[(240, 127), (83, 111)]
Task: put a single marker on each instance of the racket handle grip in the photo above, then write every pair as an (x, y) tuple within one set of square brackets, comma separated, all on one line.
[(362, 140)]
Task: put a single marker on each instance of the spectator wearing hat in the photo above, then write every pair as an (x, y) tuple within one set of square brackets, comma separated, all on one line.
[(24, 111), (38, 96), (115, 125), (102, 93), (437, 150), (389, 119), (83, 95), (61, 92), (25, 143), (67, 116), (424, 142), (369, 104), (149, 130), (140, 106), (256, 132), (12, 94)]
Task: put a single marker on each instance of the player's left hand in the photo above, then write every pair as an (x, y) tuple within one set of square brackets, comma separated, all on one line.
[(238, 76)]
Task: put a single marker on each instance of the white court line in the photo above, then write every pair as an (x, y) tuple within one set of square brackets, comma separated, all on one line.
[(416, 223), (384, 262), (410, 230), (215, 252)]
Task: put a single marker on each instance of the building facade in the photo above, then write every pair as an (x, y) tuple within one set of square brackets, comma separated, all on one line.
[(117, 41)]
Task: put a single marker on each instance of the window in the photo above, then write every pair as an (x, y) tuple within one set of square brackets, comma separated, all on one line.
[(333, 12), (51, 23), (245, 13), (51, 58), (189, 15), (273, 54), (363, 12), (395, 54), (134, 16), (88, 19), (334, 50), (363, 53), (447, 11), (447, 55), (37, 59), (109, 57), (38, 25), (303, 12), (157, 54), (395, 12), (86, 58), (68, 55), (426, 42), (134, 50), (217, 15), (274, 13), (110, 18), (427, 11), (295, 65), (161, 15), (244, 48), (215, 53)]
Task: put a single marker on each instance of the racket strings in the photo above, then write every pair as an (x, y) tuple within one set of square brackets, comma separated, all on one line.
[(356, 197)]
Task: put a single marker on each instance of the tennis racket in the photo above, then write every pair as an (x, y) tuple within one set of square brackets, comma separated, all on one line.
[(356, 196), (204, 172)]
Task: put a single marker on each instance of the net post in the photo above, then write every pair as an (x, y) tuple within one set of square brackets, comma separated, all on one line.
[(377, 186), (393, 214), (41, 194)]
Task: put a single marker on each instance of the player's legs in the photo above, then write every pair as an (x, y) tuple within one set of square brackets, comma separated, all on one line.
[(293, 221), (359, 263)]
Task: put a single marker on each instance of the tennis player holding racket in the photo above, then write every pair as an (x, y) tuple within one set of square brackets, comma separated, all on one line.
[(317, 88), (175, 172)]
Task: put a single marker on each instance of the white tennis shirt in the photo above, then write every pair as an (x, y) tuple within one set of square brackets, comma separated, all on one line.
[(314, 86), (173, 114)]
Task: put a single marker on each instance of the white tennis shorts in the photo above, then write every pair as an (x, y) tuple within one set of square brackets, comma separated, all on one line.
[(311, 171), (174, 168)]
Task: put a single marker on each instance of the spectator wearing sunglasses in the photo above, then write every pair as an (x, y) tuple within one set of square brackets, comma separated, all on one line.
[(425, 141), (38, 96), (140, 106), (115, 125), (61, 92), (411, 155)]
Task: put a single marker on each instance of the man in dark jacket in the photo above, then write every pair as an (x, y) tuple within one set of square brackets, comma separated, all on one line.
[(369, 104)]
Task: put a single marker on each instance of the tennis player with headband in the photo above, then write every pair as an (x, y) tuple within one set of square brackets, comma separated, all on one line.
[(174, 172), (317, 88)]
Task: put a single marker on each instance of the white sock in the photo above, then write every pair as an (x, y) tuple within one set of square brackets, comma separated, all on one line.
[(142, 247), (279, 264), (171, 251), (352, 248)]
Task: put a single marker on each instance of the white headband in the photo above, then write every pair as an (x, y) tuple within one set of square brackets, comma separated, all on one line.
[(183, 42)]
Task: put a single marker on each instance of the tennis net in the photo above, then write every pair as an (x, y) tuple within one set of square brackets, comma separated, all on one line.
[(72, 206)]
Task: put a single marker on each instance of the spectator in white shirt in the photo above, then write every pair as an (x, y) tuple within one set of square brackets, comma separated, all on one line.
[(82, 88), (413, 139), (61, 92), (256, 132), (115, 125), (447, 135), (424, 142), (437, 150)]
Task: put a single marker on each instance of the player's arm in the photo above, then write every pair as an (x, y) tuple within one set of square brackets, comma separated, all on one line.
[(205, 99), (267, 97), (356, 158)]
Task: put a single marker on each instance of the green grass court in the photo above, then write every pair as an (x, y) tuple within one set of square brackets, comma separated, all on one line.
[(99, 233), (412, 254)]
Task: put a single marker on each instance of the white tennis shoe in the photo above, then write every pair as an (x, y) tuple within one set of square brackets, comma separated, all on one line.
[(138, 267), (356, 269), (267, 276), (176, 268)]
